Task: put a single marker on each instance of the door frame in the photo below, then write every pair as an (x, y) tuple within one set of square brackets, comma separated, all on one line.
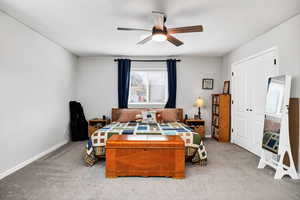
[(275, 49), (276, 53)]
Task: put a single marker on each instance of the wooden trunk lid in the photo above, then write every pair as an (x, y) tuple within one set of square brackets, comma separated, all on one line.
[(145, 141)]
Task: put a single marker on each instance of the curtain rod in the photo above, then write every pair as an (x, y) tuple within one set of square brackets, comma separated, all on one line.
[(149, 60)]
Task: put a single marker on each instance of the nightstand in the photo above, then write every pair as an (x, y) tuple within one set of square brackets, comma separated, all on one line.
[(95, 124), (197, 125)]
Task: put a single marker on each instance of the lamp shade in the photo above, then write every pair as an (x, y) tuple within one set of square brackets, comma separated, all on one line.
[(199, 103)]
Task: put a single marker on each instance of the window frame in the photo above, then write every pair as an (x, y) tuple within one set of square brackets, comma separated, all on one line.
[(149, 69)]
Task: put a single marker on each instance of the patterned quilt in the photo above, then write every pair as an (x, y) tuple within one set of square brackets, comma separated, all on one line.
[(195, 150)]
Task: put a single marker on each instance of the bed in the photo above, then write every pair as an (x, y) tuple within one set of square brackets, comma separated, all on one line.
[(195, 150)]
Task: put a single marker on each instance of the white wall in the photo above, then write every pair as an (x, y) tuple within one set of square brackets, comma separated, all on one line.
[(190, 72), (97, 84), (286, 37), (36, 83)]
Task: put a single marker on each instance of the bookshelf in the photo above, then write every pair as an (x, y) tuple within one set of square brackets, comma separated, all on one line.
[(220, 125)]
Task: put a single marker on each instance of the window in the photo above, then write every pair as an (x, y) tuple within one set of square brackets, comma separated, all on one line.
[(148, 86)]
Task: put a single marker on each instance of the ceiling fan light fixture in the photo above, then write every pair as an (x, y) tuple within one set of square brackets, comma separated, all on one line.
[(159, 37), (161, 33)]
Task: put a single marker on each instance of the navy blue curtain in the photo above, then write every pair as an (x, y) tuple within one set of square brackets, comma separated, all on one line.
[(172, 83), (124, 66)]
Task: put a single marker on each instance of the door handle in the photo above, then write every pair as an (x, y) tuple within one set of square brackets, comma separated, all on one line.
[(247, 109), (250, 110)]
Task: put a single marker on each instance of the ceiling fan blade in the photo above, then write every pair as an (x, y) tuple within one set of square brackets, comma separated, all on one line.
[(186, 29), (158, 12), (147, 39), (133, 29), (174, 40)]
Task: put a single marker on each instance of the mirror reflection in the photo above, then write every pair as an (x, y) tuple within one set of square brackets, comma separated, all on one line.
[(274, 109), (274, 102)]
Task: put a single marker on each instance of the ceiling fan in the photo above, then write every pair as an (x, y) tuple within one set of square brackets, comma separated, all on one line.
[(161, 33)]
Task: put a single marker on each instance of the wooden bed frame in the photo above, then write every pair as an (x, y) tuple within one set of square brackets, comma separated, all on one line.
[(115, 112)]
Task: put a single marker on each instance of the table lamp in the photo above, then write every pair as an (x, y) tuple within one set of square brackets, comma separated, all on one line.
[(199, 103)]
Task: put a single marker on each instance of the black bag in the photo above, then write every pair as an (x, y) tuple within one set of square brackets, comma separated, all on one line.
[(79, 125)]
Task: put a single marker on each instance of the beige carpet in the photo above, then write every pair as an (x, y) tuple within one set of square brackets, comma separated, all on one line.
[(231, 173)]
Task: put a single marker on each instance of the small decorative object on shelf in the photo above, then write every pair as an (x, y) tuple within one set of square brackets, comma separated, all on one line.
[(199, 103), (207, 83), (97, 123), (221, 117), (186, 116), (226, 87), (159, 118), (197, 125)]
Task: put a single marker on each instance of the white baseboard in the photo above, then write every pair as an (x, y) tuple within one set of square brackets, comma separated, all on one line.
[(27, 162)]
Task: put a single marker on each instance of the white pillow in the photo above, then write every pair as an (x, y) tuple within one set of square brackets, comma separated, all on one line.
[(149, 116)]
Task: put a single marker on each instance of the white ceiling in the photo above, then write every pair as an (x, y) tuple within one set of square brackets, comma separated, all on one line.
[(88, 27)]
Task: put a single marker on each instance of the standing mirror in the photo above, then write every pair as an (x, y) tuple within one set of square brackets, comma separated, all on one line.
[(273, 113), (276, 142)]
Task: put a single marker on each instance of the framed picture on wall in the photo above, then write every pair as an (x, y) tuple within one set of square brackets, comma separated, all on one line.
[(226, 87), (208, 83)]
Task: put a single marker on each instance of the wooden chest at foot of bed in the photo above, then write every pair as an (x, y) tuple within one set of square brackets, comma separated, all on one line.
[(141, 155)]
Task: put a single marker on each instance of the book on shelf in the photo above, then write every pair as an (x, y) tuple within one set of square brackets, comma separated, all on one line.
[(215, 132), (216, 121), (215, 100)]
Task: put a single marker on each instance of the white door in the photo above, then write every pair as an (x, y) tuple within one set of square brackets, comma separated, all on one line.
[(252, 74), (239, 105)]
